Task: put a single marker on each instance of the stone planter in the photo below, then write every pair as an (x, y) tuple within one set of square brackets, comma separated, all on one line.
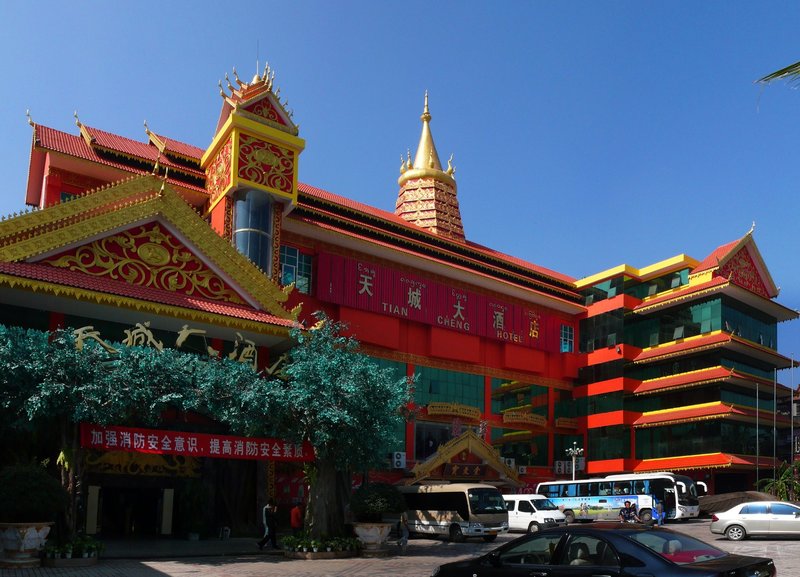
[(22, 543), (373, 536)]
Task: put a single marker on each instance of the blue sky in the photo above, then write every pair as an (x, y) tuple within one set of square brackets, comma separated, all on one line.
[(585, 134)]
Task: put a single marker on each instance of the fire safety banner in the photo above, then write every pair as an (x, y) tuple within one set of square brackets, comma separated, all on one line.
[(163, 442)]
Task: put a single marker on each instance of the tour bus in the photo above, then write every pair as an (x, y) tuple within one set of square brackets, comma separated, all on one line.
[(602, 498), (456, 510)]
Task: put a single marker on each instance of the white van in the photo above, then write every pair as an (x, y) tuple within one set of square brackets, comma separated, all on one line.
[(532, 512)]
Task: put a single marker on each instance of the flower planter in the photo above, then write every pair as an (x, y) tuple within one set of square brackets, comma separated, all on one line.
[(372, 535), (22, 543)]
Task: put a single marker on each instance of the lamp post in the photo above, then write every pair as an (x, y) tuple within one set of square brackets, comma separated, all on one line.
[(574, 451)]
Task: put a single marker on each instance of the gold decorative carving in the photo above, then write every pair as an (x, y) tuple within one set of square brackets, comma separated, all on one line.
[(141, 464), (147, 256), (138, 199)]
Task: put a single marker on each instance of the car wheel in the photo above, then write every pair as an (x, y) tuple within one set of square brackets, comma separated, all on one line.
[(533, 527), (735, 533), (489, 538), (645, 516), (456, 536)]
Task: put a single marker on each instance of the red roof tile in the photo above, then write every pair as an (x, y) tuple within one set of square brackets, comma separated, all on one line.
[(396, 220), (72, 145), (681, 293), (82, 281), (715, 339), (704, 461), (705, 411), (178, 147), (693, 378), (712, 260)]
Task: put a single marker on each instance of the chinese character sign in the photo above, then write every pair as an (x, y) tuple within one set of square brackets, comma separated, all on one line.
[(384, 290), (192, 444)]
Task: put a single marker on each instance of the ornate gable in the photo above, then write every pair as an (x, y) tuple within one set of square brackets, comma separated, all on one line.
[(148, 255), (141, 232), (266, 109), (741, 270), (466, 457)]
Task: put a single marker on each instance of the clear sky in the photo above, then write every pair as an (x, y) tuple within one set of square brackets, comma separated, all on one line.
[(585, 134)]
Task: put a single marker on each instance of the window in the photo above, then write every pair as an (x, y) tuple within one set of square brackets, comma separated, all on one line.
[(567, 339), (252, 227), (296, 268)]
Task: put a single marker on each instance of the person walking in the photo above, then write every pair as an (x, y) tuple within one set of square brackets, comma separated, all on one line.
[(269, 518), (404, 533)]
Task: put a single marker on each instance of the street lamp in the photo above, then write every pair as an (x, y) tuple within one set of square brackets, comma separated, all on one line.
[(574, 451)]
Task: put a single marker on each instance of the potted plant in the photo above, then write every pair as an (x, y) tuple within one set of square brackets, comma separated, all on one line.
[(369, 503), (30, 500)]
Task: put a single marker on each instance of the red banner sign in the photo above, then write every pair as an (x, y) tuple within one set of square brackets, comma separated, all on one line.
[(368, 286), (192, 444)]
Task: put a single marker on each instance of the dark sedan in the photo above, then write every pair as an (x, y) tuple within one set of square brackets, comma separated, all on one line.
[(611, 550)]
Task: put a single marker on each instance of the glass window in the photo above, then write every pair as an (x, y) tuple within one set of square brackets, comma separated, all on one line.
[(754, 509), (296, 268), (252, 227), (537, 550), (567, 339), (784, 509)]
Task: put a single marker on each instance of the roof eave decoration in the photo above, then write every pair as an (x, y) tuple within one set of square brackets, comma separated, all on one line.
[(473, 443), (136, 200)]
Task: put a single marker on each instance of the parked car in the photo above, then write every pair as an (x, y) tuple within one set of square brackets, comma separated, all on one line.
[(532, 512), (608, 548), (757, 518)]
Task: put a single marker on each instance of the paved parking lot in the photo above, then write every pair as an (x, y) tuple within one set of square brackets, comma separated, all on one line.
[(240, 558)]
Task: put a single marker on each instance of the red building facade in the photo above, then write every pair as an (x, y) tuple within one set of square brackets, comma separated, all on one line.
[(515, 363)]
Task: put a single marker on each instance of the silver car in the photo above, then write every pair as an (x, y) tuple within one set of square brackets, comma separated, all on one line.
[(757, 518)]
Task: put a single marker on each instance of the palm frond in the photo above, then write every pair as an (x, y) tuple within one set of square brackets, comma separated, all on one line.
[(791, 72)]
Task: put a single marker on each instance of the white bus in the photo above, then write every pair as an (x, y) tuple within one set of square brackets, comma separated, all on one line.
[(602, 498), (456, 510)]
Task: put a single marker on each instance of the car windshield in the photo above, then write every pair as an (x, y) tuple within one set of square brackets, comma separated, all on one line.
[(544, 504), (677, 547), (486, 501)]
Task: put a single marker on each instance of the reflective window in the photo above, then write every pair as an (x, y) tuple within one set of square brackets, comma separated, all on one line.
[(538, 550), (754, 509), (784, 509)]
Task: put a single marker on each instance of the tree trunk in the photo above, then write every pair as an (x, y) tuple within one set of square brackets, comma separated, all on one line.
[(327, 516), (70, 464)]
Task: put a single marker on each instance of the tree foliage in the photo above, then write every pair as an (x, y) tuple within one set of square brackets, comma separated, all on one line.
[(329, 394), (786, 483), (339, 399)]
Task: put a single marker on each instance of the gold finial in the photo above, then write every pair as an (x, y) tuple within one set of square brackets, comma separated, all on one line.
[(147, 128), (77, 120), (28, 115), (158, 161), (752, 228), (426, 115), (221, 90), (228, 80), (402, 164), (451, 170)]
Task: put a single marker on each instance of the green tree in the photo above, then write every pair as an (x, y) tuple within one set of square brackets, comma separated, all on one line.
[(49, 383), (786, 484), (346, 406)]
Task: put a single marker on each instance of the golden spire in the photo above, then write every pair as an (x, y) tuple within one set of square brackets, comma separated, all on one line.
[(427, 194), (426, 157), (426, 161)]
